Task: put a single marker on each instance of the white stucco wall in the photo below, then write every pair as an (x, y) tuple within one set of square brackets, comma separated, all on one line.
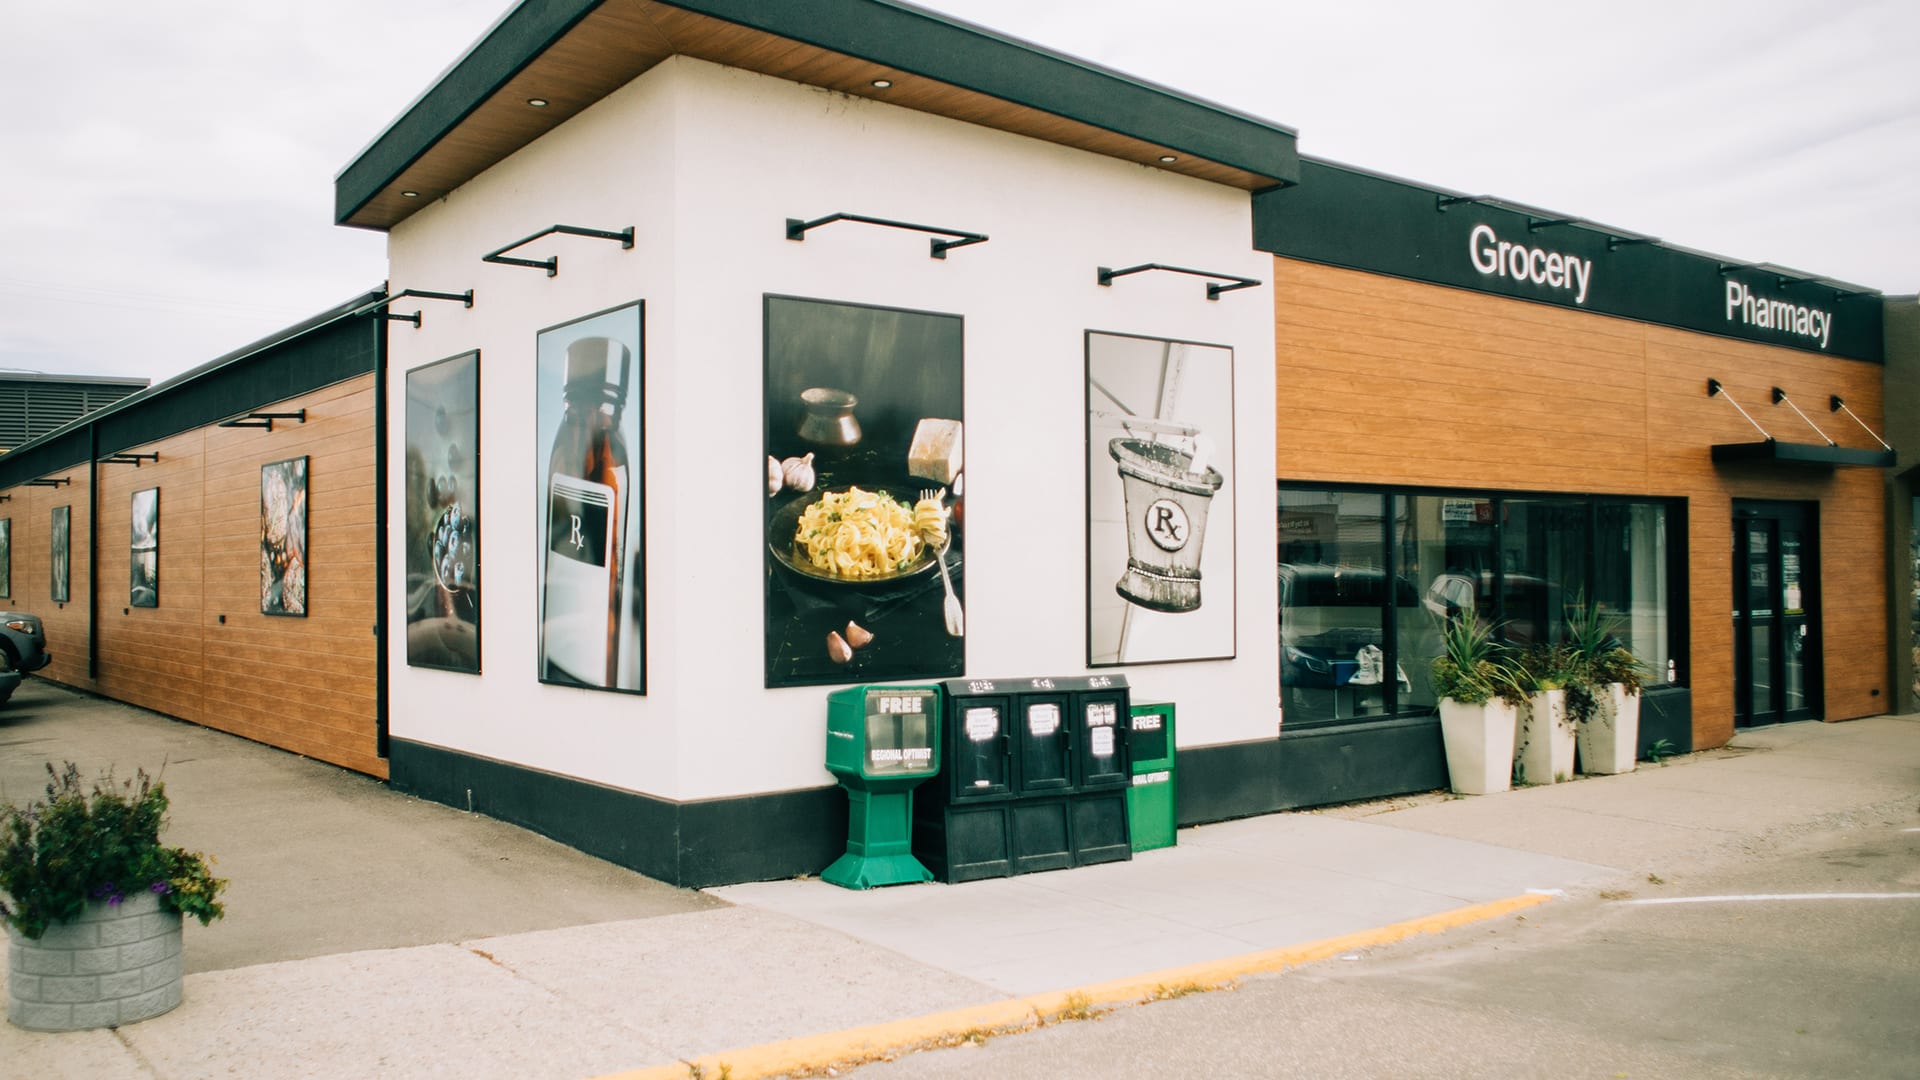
[(708, 162)]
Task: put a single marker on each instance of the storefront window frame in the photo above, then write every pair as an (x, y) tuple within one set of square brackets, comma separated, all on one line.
[(1678, 593)]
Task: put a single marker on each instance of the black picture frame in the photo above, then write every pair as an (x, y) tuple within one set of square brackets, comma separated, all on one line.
[(1149, 400), (284, 571), (442, 514), (143, 549), (592, 529), (60, 562), (901, 367)]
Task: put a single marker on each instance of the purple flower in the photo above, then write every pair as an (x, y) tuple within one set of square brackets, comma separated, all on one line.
[(114, 900), (162, 888)]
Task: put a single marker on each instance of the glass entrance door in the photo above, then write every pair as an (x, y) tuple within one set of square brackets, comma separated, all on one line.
[(1776, 626)]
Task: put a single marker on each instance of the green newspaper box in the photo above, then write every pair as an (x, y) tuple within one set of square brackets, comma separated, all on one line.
[(1151, 805), (882, 742)]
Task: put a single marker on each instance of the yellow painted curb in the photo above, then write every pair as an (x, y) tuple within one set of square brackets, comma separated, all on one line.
[(855, 1045)]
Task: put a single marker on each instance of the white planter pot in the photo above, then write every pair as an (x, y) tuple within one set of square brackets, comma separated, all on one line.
[(1479, 740), (1543, 745), (1610, 739), (114, 965)]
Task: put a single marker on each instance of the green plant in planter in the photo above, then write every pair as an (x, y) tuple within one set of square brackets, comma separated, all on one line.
[(98, 843), (1473, 666), (1596, 659)]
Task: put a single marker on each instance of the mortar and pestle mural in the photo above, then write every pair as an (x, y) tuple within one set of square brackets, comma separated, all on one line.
[(1159, 451)]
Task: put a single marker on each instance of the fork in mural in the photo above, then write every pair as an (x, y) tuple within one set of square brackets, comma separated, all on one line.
[(956, 618)]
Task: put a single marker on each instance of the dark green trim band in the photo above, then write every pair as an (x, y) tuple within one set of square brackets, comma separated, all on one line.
[(1346, 217), (895, 35), (1811, 455), (692, 844)]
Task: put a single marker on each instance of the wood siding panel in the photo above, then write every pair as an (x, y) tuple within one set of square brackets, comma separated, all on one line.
[(1386, 381), (206, 653)]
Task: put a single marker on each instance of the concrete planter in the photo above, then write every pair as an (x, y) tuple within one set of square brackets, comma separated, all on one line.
[(1544, 741), (116, 964), (1610, 738), (1479, 741)]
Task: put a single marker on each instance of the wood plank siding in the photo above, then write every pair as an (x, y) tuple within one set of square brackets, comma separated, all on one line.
[(206, 653), (1394, 382)]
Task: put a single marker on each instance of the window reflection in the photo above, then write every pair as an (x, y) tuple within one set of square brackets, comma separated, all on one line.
[(1369, 580)]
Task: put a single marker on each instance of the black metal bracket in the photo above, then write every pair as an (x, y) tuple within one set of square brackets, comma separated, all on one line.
[(1214, 289), (797, 230), (1728, 268), (1615, 243), (1535, 224), (128, 459), (552, 266), (264, 419), (51, 481), (1441, 202), (6, 498), (465, 298)]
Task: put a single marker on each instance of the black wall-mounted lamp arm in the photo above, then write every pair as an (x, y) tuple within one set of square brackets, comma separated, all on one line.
[(552, 266), (264, 419), (1441, 202), (465, 298), (1214, 289), (51, 481), (797, 230), (1615, 243), (128, 459)]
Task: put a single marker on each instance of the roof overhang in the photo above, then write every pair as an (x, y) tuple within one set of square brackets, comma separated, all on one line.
[(572, 53), (1803, 455)]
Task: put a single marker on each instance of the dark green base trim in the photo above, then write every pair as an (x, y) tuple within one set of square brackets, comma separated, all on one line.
[(1666, 713), (692, 844), (1311, 767), (1350, 762)]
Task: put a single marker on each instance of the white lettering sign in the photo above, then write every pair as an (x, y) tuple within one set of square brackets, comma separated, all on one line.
[(1777, 314), (1496, 257)]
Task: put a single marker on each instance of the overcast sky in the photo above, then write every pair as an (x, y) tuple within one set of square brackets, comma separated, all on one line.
[(166, 170)]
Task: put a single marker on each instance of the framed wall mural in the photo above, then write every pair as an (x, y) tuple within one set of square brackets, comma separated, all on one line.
[(591, 571), (60, 561), (143, 587), (863, 445), (443, 514), (1160, 528), (6, 557), (283, 537)]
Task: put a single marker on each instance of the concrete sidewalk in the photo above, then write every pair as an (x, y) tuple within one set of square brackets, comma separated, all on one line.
[(444, 959)]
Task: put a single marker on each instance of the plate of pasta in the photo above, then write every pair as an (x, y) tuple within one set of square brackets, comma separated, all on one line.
[(854, 536)]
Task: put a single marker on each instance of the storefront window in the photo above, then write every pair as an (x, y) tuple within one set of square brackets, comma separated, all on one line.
[(1630, 578), (1543, 559), (1333, 599), (1370, 579), (1445, 548)]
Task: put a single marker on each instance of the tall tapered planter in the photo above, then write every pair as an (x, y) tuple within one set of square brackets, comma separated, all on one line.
[(1610, 739), (1544, 742), (1479, 742), (114, 965)]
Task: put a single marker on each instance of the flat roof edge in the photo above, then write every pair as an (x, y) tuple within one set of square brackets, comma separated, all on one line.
[(885, 32)]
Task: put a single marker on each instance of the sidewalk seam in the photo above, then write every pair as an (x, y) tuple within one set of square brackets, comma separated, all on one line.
[(817, 1053)]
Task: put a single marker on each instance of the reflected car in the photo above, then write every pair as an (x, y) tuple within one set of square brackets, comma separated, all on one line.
[(23, 641)]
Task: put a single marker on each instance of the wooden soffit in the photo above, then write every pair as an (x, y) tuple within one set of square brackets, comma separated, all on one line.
[(573, 53)]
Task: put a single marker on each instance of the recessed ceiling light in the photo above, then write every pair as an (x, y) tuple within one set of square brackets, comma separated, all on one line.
[(882, 84), (537, 102), (1168, 159), (409, 194)]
